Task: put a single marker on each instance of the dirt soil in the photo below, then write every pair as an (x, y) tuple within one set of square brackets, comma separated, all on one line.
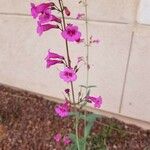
[(28, 122)]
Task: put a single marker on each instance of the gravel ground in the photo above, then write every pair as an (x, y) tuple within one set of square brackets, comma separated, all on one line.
[(28, 123)]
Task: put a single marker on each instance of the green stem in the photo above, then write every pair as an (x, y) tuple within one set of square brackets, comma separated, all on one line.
[(64, 26), (87, 67), (77, 135), (69, 65)]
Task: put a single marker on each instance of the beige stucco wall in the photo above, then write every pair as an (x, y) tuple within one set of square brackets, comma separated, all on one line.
[(120, 64)]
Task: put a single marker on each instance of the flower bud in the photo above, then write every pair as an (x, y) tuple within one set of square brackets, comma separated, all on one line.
[(53, 8), (67, 91), (52, 4), (67, 12)]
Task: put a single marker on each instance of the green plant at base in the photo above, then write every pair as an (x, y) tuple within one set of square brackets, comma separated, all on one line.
[(99, 141), (90, 119)]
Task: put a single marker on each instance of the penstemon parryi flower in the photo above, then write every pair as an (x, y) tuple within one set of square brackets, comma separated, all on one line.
[(46, 20)]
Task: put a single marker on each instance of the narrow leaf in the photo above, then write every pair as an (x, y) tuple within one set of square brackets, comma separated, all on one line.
[(90, 117), (88, 87), (82, 141), (88, 93), (73, 147), (72, 137), (74, 113), (88, 128)]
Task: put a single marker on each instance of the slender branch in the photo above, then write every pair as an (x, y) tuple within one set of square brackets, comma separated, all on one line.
[(87, 67), (79, 102), (77, 135), (57, 8), (64, 24), (69, 65), (67, 47), (73, 96)]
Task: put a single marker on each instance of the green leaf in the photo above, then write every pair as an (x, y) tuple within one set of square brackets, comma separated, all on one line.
[(82, 141), (73, 147), (88, 87), (74, 140), (88, 93), (74, 113), (88, 129), (72, 137), (90, 117)]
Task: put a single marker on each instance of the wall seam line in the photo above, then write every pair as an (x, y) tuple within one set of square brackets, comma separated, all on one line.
[(126, 72), (89, 20)]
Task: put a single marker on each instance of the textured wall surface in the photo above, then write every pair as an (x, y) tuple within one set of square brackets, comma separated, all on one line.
[(143, 15), (120, 64)]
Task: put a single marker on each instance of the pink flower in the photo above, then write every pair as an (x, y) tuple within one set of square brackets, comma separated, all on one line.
[(56, 19), (80, 16), (46, 16), (53, 55), (66, 140), (71, 33), (36, 10), (52, 62), (63, 109), (43, 12), (53, 58), (68, 75), (58, 137), (45, 27), (97, 101)]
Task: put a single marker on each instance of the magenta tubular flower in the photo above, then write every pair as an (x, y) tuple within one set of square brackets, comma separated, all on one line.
[(46, 16), (53, 58), (58, 137), (68, 75), (97, 101), (71, 33), (36, 10), (45, 27), (53, 55), (50, 63), (56, 19), (63, 109), (66, 140)]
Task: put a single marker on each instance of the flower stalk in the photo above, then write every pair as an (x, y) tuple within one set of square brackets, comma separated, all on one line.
[(72, 87), (46, 21), (87, 67)]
